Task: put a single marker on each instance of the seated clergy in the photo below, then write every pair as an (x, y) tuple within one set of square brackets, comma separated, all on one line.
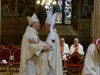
[(64, 51), (64, 48), (76, 47)]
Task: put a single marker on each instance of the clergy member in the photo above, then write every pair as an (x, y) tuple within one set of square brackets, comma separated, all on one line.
[(76, 47), (33, 59), (64, 51), (92, 59), (54, 56)]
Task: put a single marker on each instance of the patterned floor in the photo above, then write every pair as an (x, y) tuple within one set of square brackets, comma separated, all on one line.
[(16, 73), (7, 73)]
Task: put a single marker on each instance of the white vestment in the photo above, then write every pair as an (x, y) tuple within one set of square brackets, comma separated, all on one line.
[(80, 49), (54, 56), (33, 61), (92, 61)]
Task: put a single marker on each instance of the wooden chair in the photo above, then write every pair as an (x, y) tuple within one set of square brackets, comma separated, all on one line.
[(10, 46), (74, 64), (2, 46), (16, 62), (13, 49), (19, 46), (5, 55)]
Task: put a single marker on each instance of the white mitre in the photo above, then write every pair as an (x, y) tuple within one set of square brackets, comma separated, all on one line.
[(32, 19), (51, 18)]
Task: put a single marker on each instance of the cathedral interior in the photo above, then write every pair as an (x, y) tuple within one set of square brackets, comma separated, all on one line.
[(80, 20)]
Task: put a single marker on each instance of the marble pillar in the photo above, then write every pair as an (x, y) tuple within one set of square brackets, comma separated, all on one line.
[(96, 20)]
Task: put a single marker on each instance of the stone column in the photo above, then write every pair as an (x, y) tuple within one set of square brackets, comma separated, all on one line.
[(96, 20)]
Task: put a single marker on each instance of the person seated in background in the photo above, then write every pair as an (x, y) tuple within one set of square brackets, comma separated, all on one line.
[(92, 59), (76, 47), (64, 51)]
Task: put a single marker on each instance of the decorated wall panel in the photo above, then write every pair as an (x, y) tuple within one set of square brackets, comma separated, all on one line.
[(84, 27), (12, 30), (17, 8)]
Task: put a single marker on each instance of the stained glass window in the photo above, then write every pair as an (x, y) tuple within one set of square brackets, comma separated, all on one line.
[(63, 11), (50, 8), (59, 12), (68, 11)]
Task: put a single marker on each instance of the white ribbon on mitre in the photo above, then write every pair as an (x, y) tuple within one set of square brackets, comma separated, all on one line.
[(98, 43), (51, 20), (31, 20)]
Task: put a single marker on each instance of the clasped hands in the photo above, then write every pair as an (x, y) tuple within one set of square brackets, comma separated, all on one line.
[(45, 48)]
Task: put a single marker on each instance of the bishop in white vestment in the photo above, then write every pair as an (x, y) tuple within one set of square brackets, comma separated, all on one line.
[(54, 56), (92, 60), (33, 60)]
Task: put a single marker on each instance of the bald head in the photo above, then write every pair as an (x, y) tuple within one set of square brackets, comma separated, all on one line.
[(76, 41), (62, 41)]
